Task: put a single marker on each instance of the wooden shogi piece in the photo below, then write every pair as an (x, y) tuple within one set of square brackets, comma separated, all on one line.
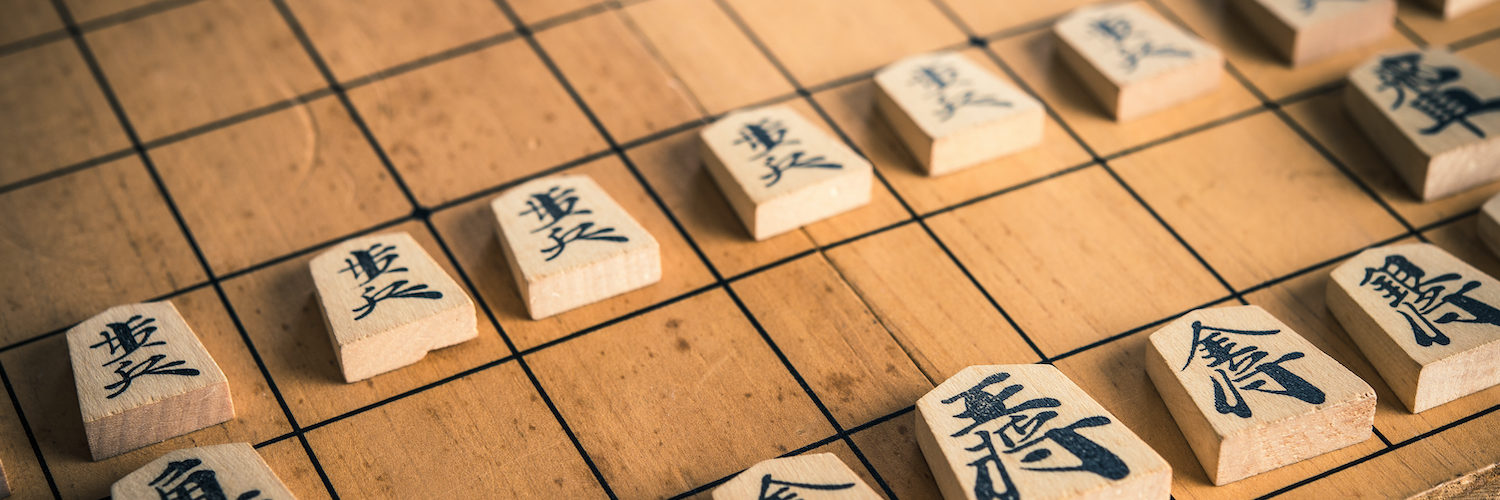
[(386, 303), (4, 482), (1132, 61), (1079, 451), (232, 470), (779, 172), (818, 476), (142, 377), (569, 244), (1489, 224), (1427, 321), (953, 114), (1454, 8), (1434, 115), (1303, 31), (1251, 395)]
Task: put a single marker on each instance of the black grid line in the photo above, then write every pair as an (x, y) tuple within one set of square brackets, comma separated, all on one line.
[(616, 149), (30, 436), (120, 115), (1410, 34), (102, 22)]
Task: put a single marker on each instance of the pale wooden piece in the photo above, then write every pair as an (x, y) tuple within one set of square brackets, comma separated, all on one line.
[(1436, 159), (165, 398), (397, 331), (1133, 62), (952, 114), (818, 476), (1303, 31), (4, 482), (234, 469), (951, 457), (1454, 8), (1488, 224), (741, 164), (1251, 430), (582, 271), (1372, 295)]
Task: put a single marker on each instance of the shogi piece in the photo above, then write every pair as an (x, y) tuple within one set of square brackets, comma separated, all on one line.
[(569, 244), (820, 476), (387, 303), (1250, 395), (1454, 8), (1026, 431), (219, 471), (952, 114), (780, 172), (1434, 115), (1489, 224), (4, 483), (143, 377), (1133, 62), (1304, 31), (1425, 320)]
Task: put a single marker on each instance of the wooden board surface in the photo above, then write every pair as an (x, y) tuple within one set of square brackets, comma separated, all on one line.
[(204, 151)]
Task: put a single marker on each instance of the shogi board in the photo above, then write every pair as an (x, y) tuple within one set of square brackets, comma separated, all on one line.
[(251, 162)]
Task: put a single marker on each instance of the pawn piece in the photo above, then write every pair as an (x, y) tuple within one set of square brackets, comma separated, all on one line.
[(1427, 322), (820, 476), (1489, 224), (1454, 8), (386, 303), (1133, 62), (1250, 395), (953, 114), (1434, 115), (1026, 431), (142, 377), (779, 172), (569, 244), (1304, 31), (233, 470)]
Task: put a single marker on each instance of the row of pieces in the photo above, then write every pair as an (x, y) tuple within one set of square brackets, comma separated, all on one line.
[(1249, 394)]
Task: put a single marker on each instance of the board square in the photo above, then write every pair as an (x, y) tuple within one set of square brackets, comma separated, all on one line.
[(28, 18), (289, 460), (701, 45), (989, 18), (535, 11), (88, 10), (618, 76), (55, 113), (358, 39), (926, 303), (674, 169), (891, 448), (1203, 185), (280, 313), (44, 388), (436, 142), (288, 180), (1017, 245), (602, 383), (498, 438), (123, 246), (1034, 59), (822, 41), (469, 230), (23, 474), (841, 349), (1325, 120), (203, 62), (1428, 459), (851, 106)]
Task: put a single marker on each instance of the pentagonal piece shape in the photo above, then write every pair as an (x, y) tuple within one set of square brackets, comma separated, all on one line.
[(818, 476), (1133, 62), (232, 470), (1304, 31)]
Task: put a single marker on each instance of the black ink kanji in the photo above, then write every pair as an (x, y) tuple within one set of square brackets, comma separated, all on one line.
[(1418, 300), (190, 484), (1121, 32), (779, 166), (372, 262), (552, 205), (1444, 105), (763, 137), (125, 337), (944, 86), (396, 290), (1238, 369), (787, 490), (1021, 429), (582, 231), (129, 371)]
